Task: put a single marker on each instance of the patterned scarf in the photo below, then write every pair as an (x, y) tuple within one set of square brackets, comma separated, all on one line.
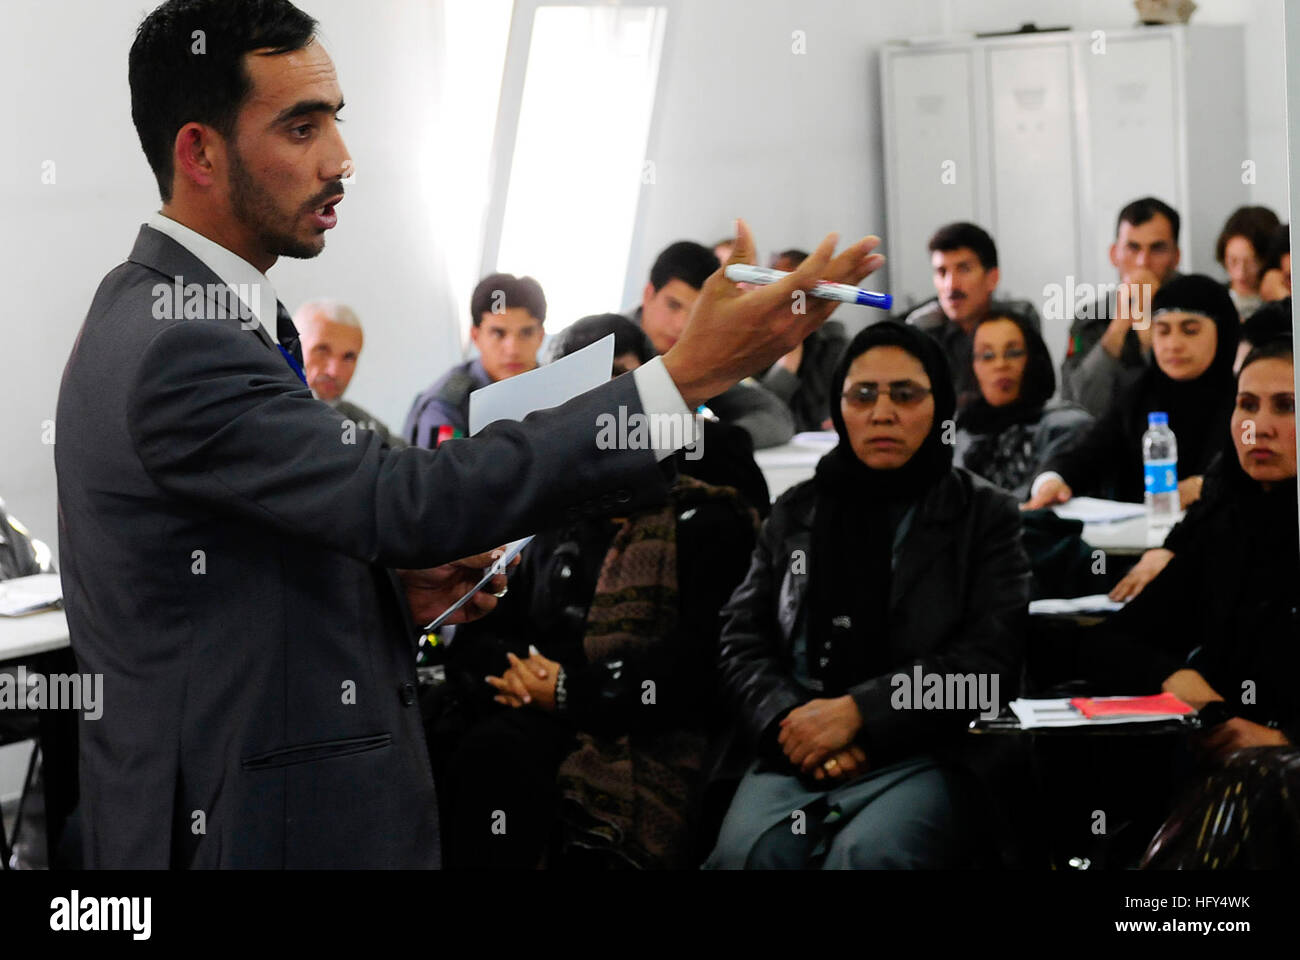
[(624, 798)]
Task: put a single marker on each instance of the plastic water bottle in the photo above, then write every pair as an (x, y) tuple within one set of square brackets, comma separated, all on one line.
[(1160, 474)]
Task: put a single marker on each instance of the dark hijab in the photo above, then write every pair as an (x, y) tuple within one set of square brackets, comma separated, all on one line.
[(1036, 387), (1198, 409), (857, 512)]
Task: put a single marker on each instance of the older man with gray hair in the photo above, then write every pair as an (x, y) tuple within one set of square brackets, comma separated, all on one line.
[(331, 339)]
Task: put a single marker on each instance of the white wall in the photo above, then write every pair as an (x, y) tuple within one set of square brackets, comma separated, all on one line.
[(744, 126)]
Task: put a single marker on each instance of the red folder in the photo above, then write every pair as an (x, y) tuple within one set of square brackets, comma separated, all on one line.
[(1161, 703)]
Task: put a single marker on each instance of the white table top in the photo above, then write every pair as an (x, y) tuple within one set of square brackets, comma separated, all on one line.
[(23, 637), (1125, 537), (791, 463)]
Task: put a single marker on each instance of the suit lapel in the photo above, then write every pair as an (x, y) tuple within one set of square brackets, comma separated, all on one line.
[(165, 256)]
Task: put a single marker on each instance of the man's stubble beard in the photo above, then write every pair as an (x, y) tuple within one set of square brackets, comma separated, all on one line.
[(254, 207)]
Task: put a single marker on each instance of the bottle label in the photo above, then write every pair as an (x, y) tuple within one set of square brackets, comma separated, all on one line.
[(1160, 476)]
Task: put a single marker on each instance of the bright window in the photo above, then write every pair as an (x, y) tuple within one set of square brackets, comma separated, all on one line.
[(579, 156)]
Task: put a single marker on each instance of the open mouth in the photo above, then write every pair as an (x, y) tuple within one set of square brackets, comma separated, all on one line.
[(324, 216)]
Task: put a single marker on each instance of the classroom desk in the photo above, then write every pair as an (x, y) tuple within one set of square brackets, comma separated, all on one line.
[(1125, 538), (24, 637), (793, 462), (40, 641)]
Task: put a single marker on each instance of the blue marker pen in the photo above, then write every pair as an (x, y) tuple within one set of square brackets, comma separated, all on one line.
[(746, 273)]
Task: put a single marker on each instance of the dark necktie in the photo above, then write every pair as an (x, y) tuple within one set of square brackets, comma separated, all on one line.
[(286, 332)]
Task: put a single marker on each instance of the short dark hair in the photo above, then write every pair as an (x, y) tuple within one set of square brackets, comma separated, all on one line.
[(174, 82), (504, 291), (1256, 224), (690, 262), (1281, 347), (1143, 209), (956, 236), (1279, 245), (628, 337), (1269, 321), (795, 255)]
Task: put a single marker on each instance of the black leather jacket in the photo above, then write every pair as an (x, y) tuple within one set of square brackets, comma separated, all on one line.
[(959, 597)]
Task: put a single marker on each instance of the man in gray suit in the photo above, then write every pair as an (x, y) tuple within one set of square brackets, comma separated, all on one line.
[(230, 549)]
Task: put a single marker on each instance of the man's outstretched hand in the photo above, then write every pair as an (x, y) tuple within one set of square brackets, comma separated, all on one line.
[(430, 592), (734, 333)]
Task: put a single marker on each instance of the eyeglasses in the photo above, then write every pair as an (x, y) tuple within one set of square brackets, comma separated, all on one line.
[(902, 393), (1011, 353)]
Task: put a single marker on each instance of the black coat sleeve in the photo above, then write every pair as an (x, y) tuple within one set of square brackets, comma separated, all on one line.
[(757, 677), (1090, 464), (216, 418)]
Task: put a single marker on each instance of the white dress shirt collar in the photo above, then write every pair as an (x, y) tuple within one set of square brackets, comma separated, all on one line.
[(229, 267)]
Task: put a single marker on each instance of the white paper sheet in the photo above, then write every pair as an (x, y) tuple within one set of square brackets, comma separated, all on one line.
[(1093, 510), (1093, 603), (548, 386), (512, 550)]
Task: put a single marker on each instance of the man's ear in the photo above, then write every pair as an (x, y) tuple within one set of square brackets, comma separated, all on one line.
[(995, 277), (647, 294), (194, 155), (1114, 255), (1178, 256)]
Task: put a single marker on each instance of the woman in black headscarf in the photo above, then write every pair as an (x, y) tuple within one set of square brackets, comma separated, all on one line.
[(884, 599), (1007, 434), (1193, 344), (1218, 627)]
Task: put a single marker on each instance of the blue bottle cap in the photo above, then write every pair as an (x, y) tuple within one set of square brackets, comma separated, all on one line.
[(1156, 417)]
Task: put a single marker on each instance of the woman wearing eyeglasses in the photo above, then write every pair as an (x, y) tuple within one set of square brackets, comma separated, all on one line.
[(1194, 330), (889, 566), (1007, 435)]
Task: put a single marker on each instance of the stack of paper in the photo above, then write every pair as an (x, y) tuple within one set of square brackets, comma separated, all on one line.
[(1093, 603), (1039, 714), (29, 594), (1093, 510)]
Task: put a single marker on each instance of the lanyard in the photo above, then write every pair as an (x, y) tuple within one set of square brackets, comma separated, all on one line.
[(294, 365)]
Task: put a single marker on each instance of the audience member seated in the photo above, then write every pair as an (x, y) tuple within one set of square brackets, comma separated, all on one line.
[(1218, 627), (1270, 321), (889, 561), (1275, 283), (724, 455), (1008, 434), (331, 339), (676, 277), (1241, 248), (1194, 339), (1110, 339), (965, 268), (802, 377), (507, 314), (601, 659)]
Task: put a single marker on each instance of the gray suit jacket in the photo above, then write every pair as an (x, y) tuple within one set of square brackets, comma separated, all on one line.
[(225, 567)]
